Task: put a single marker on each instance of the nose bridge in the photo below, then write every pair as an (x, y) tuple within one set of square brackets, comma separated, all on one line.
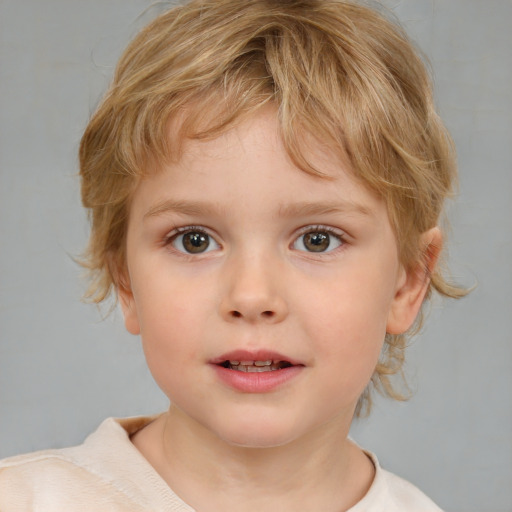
[(254, 289)]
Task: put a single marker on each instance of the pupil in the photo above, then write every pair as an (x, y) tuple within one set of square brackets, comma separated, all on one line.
[(196, 242), (316, 242)]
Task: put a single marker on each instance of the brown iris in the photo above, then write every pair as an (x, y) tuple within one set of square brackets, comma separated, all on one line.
[(316, 241), (195, 242)]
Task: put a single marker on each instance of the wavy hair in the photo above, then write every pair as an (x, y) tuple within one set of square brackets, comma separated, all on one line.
[(336, 70)]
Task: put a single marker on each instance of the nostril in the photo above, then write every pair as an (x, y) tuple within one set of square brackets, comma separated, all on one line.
[(266, 314)]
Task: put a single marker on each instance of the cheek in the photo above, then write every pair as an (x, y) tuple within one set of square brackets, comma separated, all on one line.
[(168, 351), (347, 320), (165, 298), (349, 351), (167, 324), (354, 307)]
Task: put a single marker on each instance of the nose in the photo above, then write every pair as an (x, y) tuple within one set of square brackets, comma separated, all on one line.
[(253, 292)]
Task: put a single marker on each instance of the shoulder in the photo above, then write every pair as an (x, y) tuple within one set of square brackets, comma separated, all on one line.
[(407, 495), (104, 473), (390, 493), (39, 478)]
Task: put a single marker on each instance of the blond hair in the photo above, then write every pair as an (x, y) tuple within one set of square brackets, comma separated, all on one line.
[(335, 70)]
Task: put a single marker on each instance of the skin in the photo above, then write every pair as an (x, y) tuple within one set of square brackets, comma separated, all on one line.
[(259, 286)]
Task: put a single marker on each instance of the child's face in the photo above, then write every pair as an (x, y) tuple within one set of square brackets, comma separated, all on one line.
[(235, 254)]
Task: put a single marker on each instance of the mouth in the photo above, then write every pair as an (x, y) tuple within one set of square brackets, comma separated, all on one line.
[(251, 366), (259, 371)]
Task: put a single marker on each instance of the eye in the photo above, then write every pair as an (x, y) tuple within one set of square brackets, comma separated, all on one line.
[(318, 240), (193, 241)]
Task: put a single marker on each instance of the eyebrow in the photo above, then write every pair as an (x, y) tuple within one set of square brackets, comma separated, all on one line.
[(307, 208), (183, 207), (289, 210)]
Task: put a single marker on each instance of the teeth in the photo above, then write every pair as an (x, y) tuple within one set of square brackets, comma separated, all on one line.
[(254, 369), (256, 366), (262, 363), (252, 363)]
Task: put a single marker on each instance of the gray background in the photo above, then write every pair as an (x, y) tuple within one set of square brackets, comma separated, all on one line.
[(63, 369)]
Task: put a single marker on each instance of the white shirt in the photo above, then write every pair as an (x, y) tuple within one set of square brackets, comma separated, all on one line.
[(107, 473)]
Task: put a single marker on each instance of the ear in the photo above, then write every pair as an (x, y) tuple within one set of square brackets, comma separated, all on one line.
[(121, 278), (129, 309), (413, 284)]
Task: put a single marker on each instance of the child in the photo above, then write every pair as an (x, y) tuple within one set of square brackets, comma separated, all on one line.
[(265, 180)]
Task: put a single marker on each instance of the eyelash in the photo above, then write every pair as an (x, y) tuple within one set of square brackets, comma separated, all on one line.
[(177, 231), (334, 233), (185, 229)]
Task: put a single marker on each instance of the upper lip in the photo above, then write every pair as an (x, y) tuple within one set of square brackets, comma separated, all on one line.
[(254, 355)]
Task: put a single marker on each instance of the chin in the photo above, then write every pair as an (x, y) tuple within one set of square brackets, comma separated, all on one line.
[(246, 440), (257, 434)]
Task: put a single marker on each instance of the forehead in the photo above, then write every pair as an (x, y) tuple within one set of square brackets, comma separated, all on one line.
[(250, 163), (195, 135), (211, 116)]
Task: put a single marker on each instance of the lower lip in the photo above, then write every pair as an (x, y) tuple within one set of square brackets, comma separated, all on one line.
[(257, 382)]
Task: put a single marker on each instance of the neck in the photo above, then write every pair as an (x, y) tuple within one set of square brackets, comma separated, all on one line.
[(320, 471)]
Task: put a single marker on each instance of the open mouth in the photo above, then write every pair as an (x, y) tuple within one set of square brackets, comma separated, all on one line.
[(255, 366), (258, 371)]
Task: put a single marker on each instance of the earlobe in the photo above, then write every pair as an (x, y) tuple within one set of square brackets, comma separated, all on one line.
[(413, 284), (119, 272), (129, 309), (127, 301)]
